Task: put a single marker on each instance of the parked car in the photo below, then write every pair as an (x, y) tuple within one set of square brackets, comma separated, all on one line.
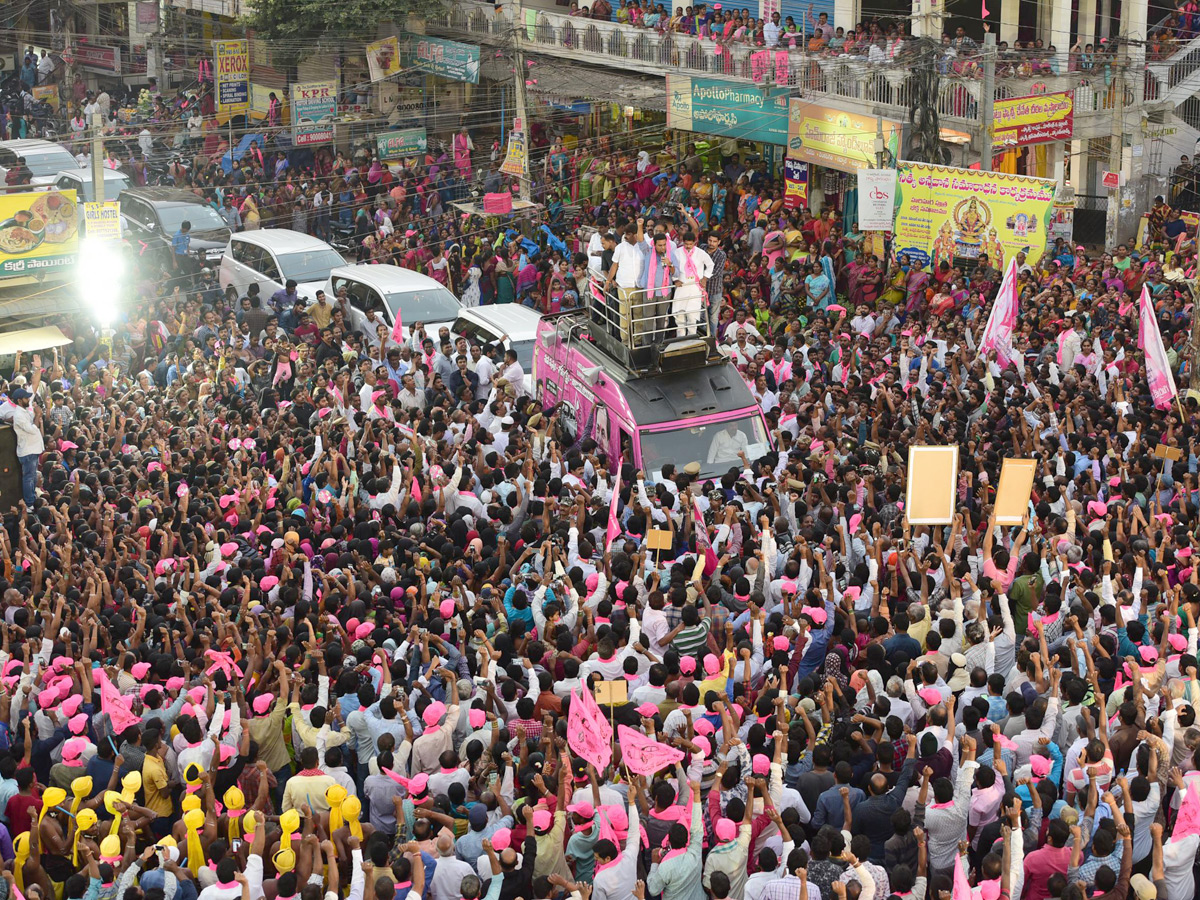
[(155, 214), (488, 324), (274, 256), (392, 291), (80, 181), (45, 159)]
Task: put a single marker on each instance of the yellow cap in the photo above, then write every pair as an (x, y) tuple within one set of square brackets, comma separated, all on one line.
[(86, 820), (285, 860), (110, 847), (131, 784), (194, 818), (190, 802), (111, 799), (289, 822), (168, 841), (335, 794), (351, 807), (51, 798), (249, 820), (234, 798)]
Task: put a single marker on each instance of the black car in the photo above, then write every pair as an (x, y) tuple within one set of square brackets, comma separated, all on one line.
[(154, 214)]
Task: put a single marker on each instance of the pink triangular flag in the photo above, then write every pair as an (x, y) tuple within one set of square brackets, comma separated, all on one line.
[(962, 887), (1187, 822)]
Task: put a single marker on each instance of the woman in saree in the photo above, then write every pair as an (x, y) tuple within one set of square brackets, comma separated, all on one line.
[(895, 292), (643, 184), (719, 195), (702, 192), (916, 281)]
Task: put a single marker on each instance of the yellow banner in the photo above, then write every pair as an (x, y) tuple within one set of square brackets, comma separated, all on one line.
[(835, 138), (516, 160), (383, 58), (103, 220), (945, 214), (38, 231), (232, 66), (1035, 119)]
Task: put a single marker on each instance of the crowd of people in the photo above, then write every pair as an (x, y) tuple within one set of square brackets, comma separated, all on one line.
[(293, 609)]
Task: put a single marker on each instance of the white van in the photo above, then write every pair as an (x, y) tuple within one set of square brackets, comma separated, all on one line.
[(80, 181), (274, 256), (488, 324), (391, 290)]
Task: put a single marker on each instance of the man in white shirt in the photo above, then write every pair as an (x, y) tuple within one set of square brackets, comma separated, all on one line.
[(771, 31), (693, 268), (484, 368), (727, 444), (595, 251), (513, 374), (30, 444), (626, 272)]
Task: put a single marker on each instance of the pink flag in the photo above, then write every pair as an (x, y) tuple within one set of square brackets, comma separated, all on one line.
[(398, 328), (961, 889), (112, 703), (758, 65), (643, 755), (589, 734), (703, 543), (1158, 368), (614, 526), (781, 67), (1187, 822), (998, 332)]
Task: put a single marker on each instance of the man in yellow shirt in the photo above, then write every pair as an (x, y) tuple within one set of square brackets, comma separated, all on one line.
[(155, 782)]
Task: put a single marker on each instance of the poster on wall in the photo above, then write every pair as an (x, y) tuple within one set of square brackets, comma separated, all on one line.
[(947, 214), (38, 232), (1062, 223), (1035, 119), (314, 107), (516, 160), (232, 68), (448, 59), (714, 106), (876, 199), (795, 184), (383, 58), (836, 138)]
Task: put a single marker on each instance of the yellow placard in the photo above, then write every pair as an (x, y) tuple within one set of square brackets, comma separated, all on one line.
[(1012, 494), (835, 138), (103, 220), (1034, 119), (611, 693), (658, 539), (232, 68), (946, 214), (932, 478), (39, 231)]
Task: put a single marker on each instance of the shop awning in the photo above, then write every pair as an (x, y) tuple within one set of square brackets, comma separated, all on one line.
[(31, 340), (563, 83)]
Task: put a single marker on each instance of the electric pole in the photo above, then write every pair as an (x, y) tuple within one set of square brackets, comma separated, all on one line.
[(1116, 147), (519, 100), (97, 158), (987, 101)]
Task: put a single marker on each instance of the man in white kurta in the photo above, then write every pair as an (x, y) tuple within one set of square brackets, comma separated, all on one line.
[(693, 268)]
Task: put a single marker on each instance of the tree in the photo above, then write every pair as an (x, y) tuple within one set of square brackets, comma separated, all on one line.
[(294, 29)]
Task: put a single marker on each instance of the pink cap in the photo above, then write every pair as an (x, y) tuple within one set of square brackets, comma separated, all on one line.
[(1183, 553), (817, 614), (725, 829), (542, 820), (648, 710), (502, 839), (704, 726), (761, 764), (1115, 481), (229, 548), (931, 696), (227, 753), (1039, 765), (855, 521), (446, 608), (591, 581), (268, 582), (363, 630), (583, 808), (262, 703), (781, 643), (853, 592), (433, 713), (197, 694), (476, 717), (140, 670), (712, 665), (73, 748), (175, 683), (418, 785), (1097, 508), (71, 705), (704, 746), (1148, 654), (1177, 641), (687, 665), (78, 723)]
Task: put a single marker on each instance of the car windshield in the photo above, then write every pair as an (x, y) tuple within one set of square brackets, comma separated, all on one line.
[(431, 305), (310, 265), (714, 445), (52, 163), (203, 218), (524, 351)]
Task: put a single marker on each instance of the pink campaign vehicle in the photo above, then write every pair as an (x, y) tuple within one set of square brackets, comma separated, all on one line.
[(647, 390)]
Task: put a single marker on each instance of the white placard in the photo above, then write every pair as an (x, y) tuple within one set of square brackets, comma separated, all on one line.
[(876, 199)]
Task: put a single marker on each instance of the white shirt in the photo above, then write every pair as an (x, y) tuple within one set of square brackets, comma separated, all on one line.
[(595, 251), (701, 262), (725, 446), (770, 34), (628, 260), (29, 436), (1178, 857)]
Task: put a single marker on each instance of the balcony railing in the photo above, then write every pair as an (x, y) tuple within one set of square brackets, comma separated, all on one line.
[(884, 85)]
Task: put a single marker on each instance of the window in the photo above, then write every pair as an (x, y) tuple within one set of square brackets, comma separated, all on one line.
[(266, 266), (310, 265), (249, 255), (202, 217), (425, 305), (713, 445)]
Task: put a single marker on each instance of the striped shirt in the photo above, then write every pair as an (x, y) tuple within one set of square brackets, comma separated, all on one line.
[(693, 640)]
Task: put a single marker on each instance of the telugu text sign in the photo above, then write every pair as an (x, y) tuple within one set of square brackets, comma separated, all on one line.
[(38, 231), (835, 138), (401, 144), (232, 67), (1035, 119), (314, 107), (713, 106), (103, 220)]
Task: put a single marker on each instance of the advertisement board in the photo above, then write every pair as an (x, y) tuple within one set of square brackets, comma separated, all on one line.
[(1035, 119), (795, 184), (38, 231), (449, 59), (740, 111), (399, 144), (102, 221), (231, 65), (876, 199), (946, 214), (314, 107), (834, 138), (383, 58)]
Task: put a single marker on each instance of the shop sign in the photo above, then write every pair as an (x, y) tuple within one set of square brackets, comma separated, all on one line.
[(98, 58), (795, 184), (835, 138), (740, 111), (314, 107), (400, 144), (103, 220), (1036, 119), (231, 62), (876, 199), (38, 232), (449, 59)]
